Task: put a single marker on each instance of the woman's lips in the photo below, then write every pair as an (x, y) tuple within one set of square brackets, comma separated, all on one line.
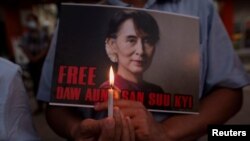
[(138, 62)]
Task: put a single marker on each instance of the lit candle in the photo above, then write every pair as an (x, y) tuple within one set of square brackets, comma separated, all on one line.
[(111, 92)]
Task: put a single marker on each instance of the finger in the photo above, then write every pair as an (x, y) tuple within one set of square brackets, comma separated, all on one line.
[(139, 117), (134, 112), (139, 123), (90, 127), (131, 129), (108, 130), (125, 131), (118, 124)]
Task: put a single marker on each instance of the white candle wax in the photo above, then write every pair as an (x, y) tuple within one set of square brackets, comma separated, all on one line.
[(110, 102)]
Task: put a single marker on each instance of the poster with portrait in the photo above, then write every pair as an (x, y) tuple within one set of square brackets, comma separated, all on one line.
[(155, 57)]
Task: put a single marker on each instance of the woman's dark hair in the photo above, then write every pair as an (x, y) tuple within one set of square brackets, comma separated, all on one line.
[(142, 20)]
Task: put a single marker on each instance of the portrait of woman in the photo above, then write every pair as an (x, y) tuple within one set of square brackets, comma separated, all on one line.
[(130, 43)]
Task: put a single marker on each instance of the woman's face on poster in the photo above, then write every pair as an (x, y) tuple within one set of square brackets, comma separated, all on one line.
[(133, 47)]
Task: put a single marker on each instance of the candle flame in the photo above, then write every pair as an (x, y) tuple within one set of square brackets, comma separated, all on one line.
[(111, 77)]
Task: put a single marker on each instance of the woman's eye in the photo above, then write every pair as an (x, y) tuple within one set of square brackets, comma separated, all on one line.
[(131, 41), (148, 41)]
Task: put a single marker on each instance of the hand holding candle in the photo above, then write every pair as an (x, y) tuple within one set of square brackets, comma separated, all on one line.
[(111, 92)]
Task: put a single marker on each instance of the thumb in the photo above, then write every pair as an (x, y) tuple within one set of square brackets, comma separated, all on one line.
[(108, 130)]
